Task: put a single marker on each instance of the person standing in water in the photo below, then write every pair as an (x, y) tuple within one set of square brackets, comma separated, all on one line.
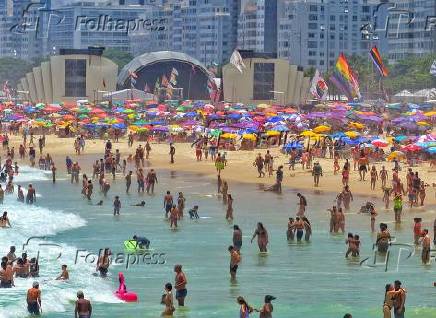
[(103, 262), (229, 213), (426, 245), (237, 238), (168, 203), (151, 181), (117, 205), (89, 189), (398, 207), (267, 308), (83, 308), (400, 300), (262, 237), (302, 203), (235, 259), (53, 172), (347, 197), (290, 232), (167, 300), (180, 285), (174, 216), (245, 310), (34, 299), (31, 195), (180, 205), (224, 191), (128, 180)]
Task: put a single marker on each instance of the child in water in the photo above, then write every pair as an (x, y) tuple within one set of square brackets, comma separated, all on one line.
[(193, 213)]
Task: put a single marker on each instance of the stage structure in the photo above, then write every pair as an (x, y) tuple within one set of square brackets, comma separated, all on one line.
[(169, 76)]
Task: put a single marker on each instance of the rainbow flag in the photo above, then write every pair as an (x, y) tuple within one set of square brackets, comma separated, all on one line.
[(344, 78), (378, 62)]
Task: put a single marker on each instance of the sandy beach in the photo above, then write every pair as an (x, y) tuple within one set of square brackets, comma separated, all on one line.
[(239, 168)]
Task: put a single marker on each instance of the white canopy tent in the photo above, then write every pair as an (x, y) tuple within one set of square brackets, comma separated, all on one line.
[(128, 94)]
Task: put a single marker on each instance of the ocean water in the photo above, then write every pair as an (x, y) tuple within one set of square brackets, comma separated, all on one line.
[(309, 279)]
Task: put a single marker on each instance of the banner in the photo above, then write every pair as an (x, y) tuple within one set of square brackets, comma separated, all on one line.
[(319, 88), (237, 61), (378, 62)]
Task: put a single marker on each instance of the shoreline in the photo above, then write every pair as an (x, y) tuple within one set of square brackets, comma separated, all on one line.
[(238, 169)]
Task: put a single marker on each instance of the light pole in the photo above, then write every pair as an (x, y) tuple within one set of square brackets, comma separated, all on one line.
[(325, 31), (367, 32)]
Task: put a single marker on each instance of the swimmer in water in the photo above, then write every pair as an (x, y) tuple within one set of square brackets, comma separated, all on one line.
[(4, 220), (100, 203), (142, 203), (193, 213), (83, 306), (142, 242), (64, 274)]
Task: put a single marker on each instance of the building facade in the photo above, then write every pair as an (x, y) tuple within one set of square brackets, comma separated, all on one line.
[(203, 29), (69, 76), (265, 80), (411, 29), (313, 33), (257, 26)]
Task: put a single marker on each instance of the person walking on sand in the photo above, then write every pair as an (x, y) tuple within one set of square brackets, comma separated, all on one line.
[(259, 163), (383, 174), (316, 173), (172, 152), (262, 237), (374, 177)]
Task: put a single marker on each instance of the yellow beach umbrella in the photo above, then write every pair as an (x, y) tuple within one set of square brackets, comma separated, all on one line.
[(321, 129), (249, 136), (263, 106), (423, 123), (430, 114), (352, 134), (396, 155), (356, 125), (308, 133), (228, 136), (272, 133)]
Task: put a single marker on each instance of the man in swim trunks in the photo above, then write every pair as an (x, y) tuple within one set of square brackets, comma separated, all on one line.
[(83, 306), (34, 299), (235, 259), (399, 300), (31, 195), (103, 263), (168, 203), (142, 242), (180, 285), (151, 181), (117, 205), (64, 274), (426, 244), (128, 181), (6, 276)]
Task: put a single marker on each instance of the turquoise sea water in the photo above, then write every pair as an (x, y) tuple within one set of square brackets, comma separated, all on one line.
[(309, 280)]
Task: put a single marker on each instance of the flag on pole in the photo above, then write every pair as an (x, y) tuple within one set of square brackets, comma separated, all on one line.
[(344, 78), (433, 68), (237, 61), (378, 62), (319, 87)]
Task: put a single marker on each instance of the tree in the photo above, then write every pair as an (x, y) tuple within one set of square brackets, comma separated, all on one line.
[(121, 58), (12, 69)]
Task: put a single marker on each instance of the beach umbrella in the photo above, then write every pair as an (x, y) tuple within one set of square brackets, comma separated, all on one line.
[(430, 114), (280, 128), (356, 125), (308, 133), (249, 137), (431, 150), (396, 155), (228, 136), (411, 148), (272, 133), (352, 134), (321, 129), (379, 143), (264, 106)]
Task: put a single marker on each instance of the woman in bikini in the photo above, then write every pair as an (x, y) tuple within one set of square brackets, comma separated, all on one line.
[(262, 237)]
